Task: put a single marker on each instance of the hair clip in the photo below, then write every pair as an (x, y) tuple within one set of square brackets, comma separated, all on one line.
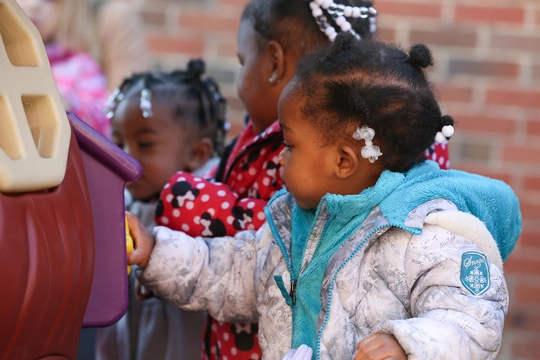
[(446, 132), (146, 104), (369, 151), (339, 13), (110, 105)]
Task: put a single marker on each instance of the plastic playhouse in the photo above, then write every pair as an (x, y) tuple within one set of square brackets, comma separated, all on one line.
[(62, 230)]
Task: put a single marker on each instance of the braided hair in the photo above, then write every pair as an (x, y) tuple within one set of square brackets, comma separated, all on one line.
[(294, 25), (351, 84), (169, 87)]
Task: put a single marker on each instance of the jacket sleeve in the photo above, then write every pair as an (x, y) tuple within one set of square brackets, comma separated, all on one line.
[(457, 298), (196, 273), (200, 207)]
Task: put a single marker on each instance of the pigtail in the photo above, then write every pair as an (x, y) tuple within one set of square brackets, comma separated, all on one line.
[(213, 105), (420, 56), (118, 95), (219, 109)]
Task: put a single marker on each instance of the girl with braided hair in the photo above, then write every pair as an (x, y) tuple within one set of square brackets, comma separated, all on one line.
[(169, 122), (371, 252)]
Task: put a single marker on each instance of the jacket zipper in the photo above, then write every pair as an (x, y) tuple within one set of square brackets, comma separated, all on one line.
[(332, 282), (288, 261)]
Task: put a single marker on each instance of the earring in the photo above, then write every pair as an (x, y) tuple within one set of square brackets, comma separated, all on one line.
[(369, 151), (273, 78)]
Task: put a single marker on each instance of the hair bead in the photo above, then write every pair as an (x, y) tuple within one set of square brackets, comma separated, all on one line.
[(340, 13)]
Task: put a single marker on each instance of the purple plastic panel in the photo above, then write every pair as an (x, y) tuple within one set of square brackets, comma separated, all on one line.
[(107, 168)]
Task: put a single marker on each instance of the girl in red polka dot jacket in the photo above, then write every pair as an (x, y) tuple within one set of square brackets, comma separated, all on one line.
[(273, 35)]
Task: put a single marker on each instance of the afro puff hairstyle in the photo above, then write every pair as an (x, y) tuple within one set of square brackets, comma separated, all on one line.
[(354, 83)]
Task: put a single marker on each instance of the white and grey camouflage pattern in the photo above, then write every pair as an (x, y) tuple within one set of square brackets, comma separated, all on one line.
[(397, 283)]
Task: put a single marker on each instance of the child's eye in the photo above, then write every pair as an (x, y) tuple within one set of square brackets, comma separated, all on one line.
[(145, 144)]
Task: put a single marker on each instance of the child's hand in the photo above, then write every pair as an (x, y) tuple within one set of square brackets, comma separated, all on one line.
[(143, 242), (380, 347)]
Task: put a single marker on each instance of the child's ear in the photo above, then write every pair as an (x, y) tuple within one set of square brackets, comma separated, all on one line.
[(276, 62), (347, 161), (201, 152)]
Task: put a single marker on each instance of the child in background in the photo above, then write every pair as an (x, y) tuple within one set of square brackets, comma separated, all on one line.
[(66, 27), (168, 122), (373, 252), (273, 35)]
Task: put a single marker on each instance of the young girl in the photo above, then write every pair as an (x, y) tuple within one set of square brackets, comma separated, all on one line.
[(372, 253), (168, 122), (273, 35), (66, 27)]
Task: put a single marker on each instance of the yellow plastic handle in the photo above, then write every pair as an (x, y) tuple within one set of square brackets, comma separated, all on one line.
[(129, 244)]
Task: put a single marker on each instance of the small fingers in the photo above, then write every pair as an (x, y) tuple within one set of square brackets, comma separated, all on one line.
[(380, 347), (142, 240)]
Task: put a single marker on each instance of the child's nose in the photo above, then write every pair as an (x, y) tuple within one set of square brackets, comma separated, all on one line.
[(281, 157)]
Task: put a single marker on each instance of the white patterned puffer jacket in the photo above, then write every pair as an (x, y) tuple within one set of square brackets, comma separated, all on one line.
[(442, 293)]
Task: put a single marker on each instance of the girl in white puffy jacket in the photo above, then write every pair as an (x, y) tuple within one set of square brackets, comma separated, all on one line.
[(372, 252)]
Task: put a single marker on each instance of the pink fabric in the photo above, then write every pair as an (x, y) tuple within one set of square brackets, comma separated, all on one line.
[(82, 85)]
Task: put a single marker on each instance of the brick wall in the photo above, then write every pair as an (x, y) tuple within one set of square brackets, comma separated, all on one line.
[(487, 69)]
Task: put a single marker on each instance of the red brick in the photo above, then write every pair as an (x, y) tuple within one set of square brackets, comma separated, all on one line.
[(530, 239), (408, 9), (484, 171), (529, 211), (532, 183), (512, 42), (536, 72), (527, 294), (523, 317), (533, 127), (526, 350), (156, 18), (519, 265), (454, 93), (521, 154), (168, 44), (208, 22), (234, 2), (511, 15), (444, 37), (483, 68), (485, 124), (525, 98), (386, 34)]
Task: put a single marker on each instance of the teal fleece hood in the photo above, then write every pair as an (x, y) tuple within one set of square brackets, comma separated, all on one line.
[(491, 201)]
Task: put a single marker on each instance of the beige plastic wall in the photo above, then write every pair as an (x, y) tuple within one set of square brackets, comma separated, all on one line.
[(34, 129)]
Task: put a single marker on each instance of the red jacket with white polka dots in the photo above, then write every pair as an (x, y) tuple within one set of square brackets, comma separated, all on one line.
[(204, 208), (200, 207)]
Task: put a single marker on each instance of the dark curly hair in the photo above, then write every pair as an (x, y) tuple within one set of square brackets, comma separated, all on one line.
[(353, 83), (174, 89), (291, 23)]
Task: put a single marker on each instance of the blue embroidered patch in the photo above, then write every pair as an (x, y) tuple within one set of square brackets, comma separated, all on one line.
[(475, 272)]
